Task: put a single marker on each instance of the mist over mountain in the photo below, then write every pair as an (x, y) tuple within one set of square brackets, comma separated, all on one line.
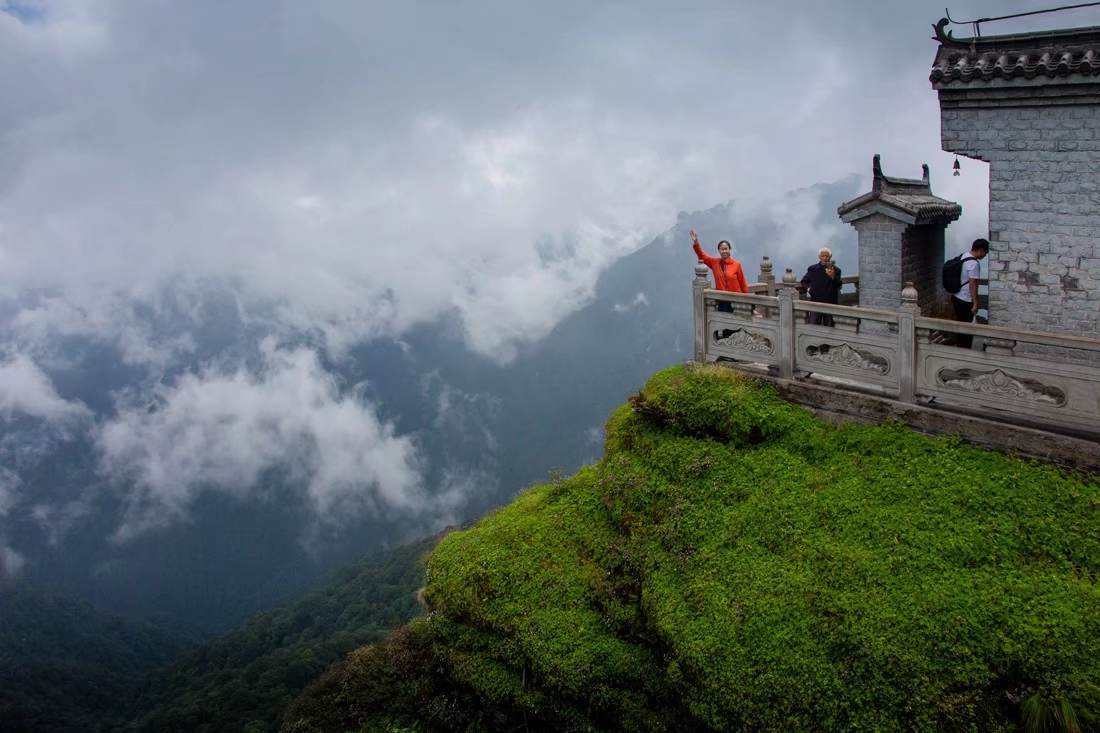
[(231, 471)]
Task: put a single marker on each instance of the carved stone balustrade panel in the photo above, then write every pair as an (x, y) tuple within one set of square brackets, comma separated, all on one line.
[(856, 357), (1033, 391), (744, 339)]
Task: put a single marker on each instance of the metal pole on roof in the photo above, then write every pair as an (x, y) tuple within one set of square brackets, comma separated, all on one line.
[(977, 23)]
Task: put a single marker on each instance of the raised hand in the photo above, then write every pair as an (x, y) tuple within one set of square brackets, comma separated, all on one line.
[(694, 237)]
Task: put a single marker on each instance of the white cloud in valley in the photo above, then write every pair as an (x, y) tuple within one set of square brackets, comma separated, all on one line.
[(26, 390), (11, 562), (222, 430)]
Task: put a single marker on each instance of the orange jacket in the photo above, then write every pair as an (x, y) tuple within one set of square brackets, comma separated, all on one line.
[(727, 273)]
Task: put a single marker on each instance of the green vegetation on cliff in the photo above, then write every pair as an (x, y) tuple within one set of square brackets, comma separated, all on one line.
[(733, 563)]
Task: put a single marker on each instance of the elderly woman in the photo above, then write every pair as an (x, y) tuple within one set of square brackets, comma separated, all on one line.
[(727, 271), (822, 283)]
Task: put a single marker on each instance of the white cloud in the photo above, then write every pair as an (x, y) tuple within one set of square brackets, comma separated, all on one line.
[(26, 389), (315, 159), (222, 430), (639, 301), (9, 485), (56, 521), (11, 562)]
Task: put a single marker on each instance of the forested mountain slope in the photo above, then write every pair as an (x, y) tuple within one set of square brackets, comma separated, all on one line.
[(734, 564), (243, 681), (66, 666)]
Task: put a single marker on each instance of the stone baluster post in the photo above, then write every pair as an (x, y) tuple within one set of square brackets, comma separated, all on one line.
[(907, 343), (790, 281), (784, 349), (767, 276), (698, 285)]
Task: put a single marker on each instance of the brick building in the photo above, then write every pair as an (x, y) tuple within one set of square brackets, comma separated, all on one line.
[(901, 233), (1029, 105)]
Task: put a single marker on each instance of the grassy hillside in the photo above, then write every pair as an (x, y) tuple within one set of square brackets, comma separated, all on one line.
[(732, 563), (244, 680)]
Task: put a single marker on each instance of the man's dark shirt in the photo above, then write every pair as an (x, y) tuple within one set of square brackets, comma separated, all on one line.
[(823, 289)]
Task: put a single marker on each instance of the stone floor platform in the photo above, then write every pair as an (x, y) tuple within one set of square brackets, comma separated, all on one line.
[(833, 402)]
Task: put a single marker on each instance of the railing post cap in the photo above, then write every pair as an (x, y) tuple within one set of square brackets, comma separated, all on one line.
[(909, 293), (788, 276)]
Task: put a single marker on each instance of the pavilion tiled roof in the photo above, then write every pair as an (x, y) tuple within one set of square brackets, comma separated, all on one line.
[(910, 197), (1073, 55)]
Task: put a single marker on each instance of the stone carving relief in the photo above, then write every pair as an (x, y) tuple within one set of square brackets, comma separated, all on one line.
[(743, 340), (997, 383), (843, 355)]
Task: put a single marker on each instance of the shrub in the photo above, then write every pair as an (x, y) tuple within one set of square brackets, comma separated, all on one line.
[(732, 563)]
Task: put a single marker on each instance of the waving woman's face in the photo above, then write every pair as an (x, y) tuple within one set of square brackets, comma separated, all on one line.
[(724, 250)]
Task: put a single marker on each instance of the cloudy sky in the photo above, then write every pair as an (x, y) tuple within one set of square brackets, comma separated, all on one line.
[(368, 165), (361, 167)]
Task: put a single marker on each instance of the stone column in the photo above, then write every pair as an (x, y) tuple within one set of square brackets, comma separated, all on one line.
[(784, 349), (907, 343), (698, 285), (767, 276)]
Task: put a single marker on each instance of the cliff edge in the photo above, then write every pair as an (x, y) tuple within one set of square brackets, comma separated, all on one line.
[(733, 563)]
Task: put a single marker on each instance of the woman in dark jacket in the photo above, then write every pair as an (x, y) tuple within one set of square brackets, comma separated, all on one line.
[(822, 283)]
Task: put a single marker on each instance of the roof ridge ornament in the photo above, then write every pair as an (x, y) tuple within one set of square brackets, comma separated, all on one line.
[(947, 38), (909, 200)]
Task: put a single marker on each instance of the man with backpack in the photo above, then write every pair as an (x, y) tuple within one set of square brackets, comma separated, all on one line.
[(960, 278)]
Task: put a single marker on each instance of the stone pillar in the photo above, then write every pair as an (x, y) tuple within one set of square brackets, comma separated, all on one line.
[(907, 343), (767, 276), (790, 282), (879, 261), (698, 285), (900, 225), (784, 349)]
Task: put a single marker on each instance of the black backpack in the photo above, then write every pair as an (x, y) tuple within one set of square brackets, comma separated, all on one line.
[(953, 272)]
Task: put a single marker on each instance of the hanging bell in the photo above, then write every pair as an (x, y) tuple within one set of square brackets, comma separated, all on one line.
[(956, 166)]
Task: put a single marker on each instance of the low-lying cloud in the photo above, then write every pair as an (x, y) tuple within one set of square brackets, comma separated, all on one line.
[(224, 430), (26, 390), (11, 563)]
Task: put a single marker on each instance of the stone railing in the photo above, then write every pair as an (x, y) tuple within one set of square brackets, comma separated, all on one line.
[(767, 284), (904, 356)]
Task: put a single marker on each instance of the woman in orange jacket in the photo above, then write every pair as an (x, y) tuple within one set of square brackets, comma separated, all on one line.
[(728, 274)]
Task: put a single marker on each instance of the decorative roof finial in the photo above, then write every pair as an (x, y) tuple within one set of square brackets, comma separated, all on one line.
[(943, 35), (876, 170)]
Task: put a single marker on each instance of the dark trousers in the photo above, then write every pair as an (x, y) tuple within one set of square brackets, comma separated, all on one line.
[(965, 315)]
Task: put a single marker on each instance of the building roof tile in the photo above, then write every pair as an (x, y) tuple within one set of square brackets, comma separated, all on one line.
[(1047, 55), (904, 198)]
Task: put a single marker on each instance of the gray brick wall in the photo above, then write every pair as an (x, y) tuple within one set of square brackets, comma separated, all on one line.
[(1044, 210), (891, 253), (921, 262), (879, 261)]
